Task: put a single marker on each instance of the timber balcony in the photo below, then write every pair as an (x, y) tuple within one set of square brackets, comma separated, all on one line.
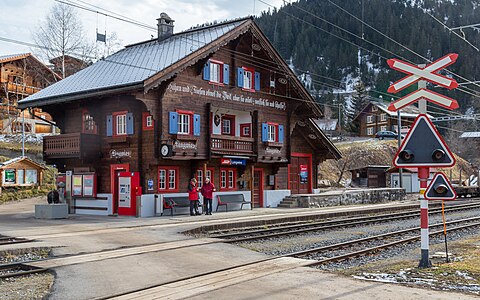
[(21, 89), (233, 145), (72, 145)]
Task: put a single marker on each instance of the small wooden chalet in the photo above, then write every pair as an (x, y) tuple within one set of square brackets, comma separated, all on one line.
[(375, 117), (22, 75), (371, 176), (21, 172), (71, 64), (215, 101)]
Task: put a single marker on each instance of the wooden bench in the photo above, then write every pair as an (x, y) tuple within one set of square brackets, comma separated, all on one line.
[(232, 199), (171, 202)]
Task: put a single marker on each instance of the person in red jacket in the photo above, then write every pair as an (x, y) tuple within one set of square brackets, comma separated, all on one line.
[(193, 197), (207, 192)]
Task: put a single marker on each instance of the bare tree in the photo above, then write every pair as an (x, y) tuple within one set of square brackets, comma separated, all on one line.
[(61, 34)]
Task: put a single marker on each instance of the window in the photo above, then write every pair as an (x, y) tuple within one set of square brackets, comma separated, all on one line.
[(228, 178), (168, 179), (383, 117), (147, 123), (369, 119), (272, 133), (228, 125), (383, 128), (248, 79), (395, 128), (216, 72), (200, 176), (374, 108), (369, 130), (120, 123), (89, 125), (184, 122), (245, 130)]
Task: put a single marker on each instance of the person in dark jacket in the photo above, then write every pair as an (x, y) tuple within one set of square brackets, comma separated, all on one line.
[(193, 197), (207, 192)]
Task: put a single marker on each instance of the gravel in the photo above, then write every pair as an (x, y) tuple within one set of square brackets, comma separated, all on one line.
[(35, 286)]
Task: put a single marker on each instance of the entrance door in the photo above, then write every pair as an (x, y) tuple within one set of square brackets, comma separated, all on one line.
[(300, 173), (258, 188), (115, 170)]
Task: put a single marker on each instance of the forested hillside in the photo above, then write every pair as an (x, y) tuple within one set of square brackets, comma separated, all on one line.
[(323, 39)]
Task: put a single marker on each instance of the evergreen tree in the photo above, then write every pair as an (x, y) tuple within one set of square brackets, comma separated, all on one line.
[(358, 101)]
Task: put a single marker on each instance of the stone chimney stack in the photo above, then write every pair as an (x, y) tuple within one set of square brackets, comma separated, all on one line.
[(165, 26)]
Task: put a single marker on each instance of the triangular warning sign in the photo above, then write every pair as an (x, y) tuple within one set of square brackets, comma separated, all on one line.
[(440, 189), (423, 147)]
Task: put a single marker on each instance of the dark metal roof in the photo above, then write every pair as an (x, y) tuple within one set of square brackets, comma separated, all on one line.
[(131, 65)]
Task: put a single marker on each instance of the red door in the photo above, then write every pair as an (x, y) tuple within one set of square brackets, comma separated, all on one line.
[(300, 173), (115, 170), (258, 188), (128, 190)]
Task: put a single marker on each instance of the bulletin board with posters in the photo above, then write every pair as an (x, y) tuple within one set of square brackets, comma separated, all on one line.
[(77, 185)]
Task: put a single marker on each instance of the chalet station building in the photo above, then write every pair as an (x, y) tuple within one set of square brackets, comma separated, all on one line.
[(216, 101)]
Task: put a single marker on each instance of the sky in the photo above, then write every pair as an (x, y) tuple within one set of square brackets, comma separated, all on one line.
[(20, 18)]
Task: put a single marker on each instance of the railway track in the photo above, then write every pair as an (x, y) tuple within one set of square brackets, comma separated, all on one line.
[(333, 224), (8, 240), (198, 283)]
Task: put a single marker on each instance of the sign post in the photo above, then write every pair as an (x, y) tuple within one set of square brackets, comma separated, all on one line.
[(423, 147)]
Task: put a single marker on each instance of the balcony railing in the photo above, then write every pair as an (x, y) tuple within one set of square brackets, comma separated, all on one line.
[(224, 144), (72, 145), (21, 89)]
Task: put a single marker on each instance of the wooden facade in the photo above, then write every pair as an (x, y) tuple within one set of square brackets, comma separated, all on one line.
[(376, 117), (20, 76), (182, 123)]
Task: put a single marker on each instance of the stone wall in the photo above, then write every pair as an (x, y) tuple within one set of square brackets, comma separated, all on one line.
[(349, 197)]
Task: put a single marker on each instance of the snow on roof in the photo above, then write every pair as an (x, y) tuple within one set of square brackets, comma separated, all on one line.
[(472, 134)]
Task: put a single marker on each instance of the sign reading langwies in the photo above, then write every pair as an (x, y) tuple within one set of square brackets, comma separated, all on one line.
[(224, 95)]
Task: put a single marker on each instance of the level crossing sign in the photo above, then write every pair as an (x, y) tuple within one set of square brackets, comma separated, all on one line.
[(423, 147), (428, 95), (427, 73), (440, 188)]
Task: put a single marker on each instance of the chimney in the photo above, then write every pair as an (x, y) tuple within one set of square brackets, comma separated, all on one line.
[(165, 26)]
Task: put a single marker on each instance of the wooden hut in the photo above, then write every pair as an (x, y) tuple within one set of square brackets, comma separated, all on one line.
[(21, 172)]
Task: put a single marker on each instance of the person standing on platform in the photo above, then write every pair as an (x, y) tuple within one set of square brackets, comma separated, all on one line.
[(193, 197), (207, 192)]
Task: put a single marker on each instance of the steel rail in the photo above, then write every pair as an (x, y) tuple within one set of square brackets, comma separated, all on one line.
[(331, 224)]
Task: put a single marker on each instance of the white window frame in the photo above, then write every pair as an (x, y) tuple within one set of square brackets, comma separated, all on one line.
[(231, 179), (272, 133), (374, 108), (383, 128), (370, 119), (121, 124), (226, 124), (162, 179), (223, 179), (184, 123), (369, 130), (149, 121), (171, 179), (383, 117), (247, 79), (216, 72)]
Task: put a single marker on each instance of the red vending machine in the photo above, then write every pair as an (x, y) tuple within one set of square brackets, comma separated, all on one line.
[(128, 190)]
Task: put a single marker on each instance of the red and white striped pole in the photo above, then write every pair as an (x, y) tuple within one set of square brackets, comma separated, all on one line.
[(423, 173)]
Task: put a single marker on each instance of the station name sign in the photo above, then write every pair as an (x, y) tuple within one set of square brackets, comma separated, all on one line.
[(233, 162), (224, 95)]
